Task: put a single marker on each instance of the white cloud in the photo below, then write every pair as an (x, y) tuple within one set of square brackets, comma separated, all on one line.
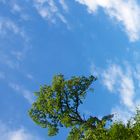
[(11, 32), (28, 95), (20, 135), (111, 75), (13, 48), (126, 12), (123, 80), (121, 114), (127, 90), (6, 133), (119, 81), (16, 8), (48, 10), (7, 25)]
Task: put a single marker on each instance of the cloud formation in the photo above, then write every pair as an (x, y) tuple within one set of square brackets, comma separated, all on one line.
[(126, 12), (49, 10), (11, 32), (124, 81), (121, 114), (8, 25), (118, 80), (23, 91), (6, 133)]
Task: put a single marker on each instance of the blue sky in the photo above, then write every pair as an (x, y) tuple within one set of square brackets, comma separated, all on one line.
[(41, 38)]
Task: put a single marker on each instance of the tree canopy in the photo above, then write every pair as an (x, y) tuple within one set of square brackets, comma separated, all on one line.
[(57, 105)]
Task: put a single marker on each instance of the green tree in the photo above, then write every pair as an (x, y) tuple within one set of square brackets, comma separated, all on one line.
[(129, 131), (57, 106)]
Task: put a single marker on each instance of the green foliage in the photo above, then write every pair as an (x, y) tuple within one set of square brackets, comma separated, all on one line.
[(129, 131), (57, 106)]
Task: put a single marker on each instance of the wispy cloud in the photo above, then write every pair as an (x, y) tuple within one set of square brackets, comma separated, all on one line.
[(122, 79), (7, 133), (14, 47), (16, 8), (126, 12), (28, 95), (119, 81), (121, 114), (10, 32), (7, 25), (49, 11)]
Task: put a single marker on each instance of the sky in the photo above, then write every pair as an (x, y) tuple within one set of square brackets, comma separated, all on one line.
[(42, 38)]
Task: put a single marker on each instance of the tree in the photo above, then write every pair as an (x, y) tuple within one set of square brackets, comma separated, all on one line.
[(129, 131), (57, 106)]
